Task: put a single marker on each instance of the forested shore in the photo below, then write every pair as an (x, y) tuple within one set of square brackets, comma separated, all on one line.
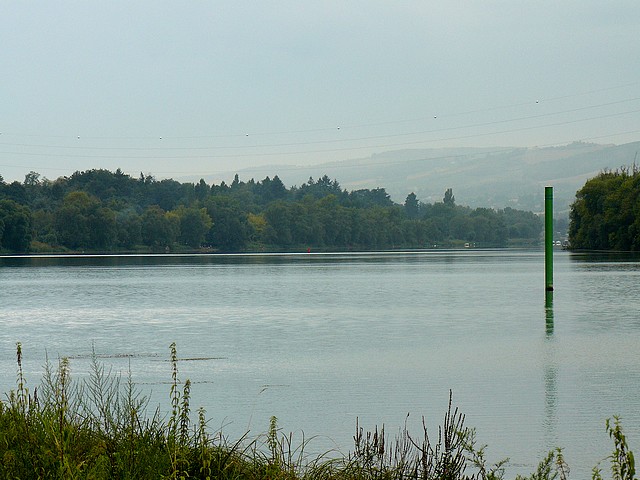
[(606, 213), (103, 211)]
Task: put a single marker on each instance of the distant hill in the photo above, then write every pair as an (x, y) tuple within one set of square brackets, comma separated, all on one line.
[(495, 177)]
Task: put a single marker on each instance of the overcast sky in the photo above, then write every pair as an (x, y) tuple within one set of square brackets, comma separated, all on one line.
[(195, 88)]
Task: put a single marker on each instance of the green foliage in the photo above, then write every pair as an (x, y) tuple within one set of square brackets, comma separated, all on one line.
[(15, 226), (623, 466), (195, 223), (552, 467), (129, 228), (232, 229), (606, 213), (97, 210), (366, 198), (320, 188), (622, 460), (524, 225), (412, 206), (449, 199), (100, 428), (407, 457), (14, 191), (83, 223), (157, 228)]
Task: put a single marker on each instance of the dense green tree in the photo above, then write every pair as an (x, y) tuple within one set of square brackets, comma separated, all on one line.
[(606, 212), (489, 227), (258, 228), (236, 184), (102, 210), (158, 229), (305, 225), (412, 206), (449, 199), (461, 227), (433, 231), (15, 226), (53, 192), (327, 209), (521, 224), (82, 222), (129, 228), (375, 231), (413, 232), (15, 191), (320, 188), (102, 225), (278, 231), (167, 194), (104, 185), (440, 215), (201, 190), (271, 190), (366, 198), (195, 224), (44, 227), (231, 230), (32, 179)]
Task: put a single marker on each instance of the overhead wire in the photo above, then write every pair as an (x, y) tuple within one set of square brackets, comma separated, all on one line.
[(338, 126), (246, 151), (299, 152), (334, 165), (320, 142)]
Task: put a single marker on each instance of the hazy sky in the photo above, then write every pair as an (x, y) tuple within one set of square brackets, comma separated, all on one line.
[(195, 88)]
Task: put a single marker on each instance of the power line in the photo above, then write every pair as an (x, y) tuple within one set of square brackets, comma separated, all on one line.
[(332, 150), (321, 142), (346, 126), (361, 164)]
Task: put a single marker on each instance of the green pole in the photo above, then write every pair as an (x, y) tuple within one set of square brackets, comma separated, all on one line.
[(548, 238)]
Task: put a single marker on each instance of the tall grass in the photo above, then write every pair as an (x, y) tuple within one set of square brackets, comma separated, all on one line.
[(102, 428)]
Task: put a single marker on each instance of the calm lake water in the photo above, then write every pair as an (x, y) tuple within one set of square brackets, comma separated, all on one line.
[(322, 339)]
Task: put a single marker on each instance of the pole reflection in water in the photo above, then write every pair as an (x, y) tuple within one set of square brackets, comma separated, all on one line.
[(550, 376), (548, 309)]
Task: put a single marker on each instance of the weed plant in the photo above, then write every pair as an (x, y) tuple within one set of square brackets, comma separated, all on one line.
[(102, 428)]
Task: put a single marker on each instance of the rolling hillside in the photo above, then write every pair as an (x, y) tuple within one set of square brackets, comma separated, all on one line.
[(496, 177)]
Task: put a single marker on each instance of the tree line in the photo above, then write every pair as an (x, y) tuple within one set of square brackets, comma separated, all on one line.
[(100, 210), (606, 212)]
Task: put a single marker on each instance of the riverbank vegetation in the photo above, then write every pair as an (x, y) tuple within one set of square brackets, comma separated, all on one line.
[(101, 428), (606, 213), (103, 211)]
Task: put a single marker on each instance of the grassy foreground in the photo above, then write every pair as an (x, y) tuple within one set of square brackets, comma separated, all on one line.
[(102, 428)]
